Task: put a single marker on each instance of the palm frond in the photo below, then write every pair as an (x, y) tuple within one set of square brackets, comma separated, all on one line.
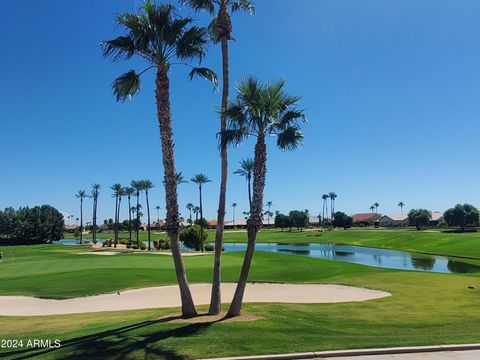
[(244, 5), (205, 73), (126, 85), (233, 137), (120, 48), (213, 30), (191, 44), (199, 5), (290, 139)]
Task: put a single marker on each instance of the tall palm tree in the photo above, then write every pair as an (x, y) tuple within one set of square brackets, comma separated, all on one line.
[(117, 190), (147, 185), (324, 207), (260, 110), (137, 186), (269, 213), (221, 31), (401, 204), (376, 205), (190, 207), (332, 197), (129, 191), (246, 170), (81, 194), (94, 195), (163, 39), (234, 206)]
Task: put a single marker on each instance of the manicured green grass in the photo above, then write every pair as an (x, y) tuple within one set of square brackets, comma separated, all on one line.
[(439, 242), (425, 308)]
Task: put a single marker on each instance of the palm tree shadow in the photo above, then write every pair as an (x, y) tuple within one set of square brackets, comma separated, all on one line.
[(119, 343)]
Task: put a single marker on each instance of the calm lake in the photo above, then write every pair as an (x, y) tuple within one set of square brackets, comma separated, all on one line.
[(392, 259)]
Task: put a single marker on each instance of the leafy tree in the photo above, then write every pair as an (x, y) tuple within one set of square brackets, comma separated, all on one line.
[(163, 40), (81, 194), (260, 110), (281, 221), (26, 226), (221, 32), (419, 217), (193, 237), (246, 170), (299, 219), (461, 216), (340, 219)]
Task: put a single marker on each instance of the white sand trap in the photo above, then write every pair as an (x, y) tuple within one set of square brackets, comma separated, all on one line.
[(168, 253), (168, 296), (106, 253)]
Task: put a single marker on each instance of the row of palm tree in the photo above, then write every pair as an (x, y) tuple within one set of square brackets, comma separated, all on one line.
[(326, 214), (376, 205), (165, 40)]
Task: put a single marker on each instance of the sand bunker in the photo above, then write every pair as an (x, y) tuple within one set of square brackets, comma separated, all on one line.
[(168, 296), (106, 253)]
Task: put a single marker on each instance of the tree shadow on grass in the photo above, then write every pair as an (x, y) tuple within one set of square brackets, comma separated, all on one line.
[(119, 343)]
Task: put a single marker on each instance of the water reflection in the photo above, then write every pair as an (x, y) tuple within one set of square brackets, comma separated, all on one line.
[(425, 264), (385, 258)]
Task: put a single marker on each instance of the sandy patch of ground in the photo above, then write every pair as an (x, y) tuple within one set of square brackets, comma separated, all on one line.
[(207, 319), (106, 253), (169, 253), (168, 296)]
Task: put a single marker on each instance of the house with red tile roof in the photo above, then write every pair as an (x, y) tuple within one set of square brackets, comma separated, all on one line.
[(365, 219)]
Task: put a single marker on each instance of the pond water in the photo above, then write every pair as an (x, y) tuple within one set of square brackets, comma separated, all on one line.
[(385, 258)]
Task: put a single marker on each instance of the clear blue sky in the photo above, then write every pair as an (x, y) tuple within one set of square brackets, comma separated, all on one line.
[(391, 89)]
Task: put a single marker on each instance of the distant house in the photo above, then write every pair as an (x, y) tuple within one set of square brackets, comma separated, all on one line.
[(314, 220), (366, 219), (393, 220), (437, 218), (71, 228)]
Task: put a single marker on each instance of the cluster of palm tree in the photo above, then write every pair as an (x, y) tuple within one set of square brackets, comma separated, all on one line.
[(137, 187), (375, 207), (164, 40), (327, 215)]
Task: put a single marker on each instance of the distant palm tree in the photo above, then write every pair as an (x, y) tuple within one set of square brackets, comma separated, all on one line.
[(158, 214), (129, 191), (246, 214), (196, 210), (94, 195), (324, 207), (376, 205), (269, 213), (246, 170), (137, 186), (181, 179), (372, 208), (200, 180), (159, 36), (260, 110), (81, 194), (401, 204), (147, 185), (332, 197), (234, 205), (190, 207), (117, 190)]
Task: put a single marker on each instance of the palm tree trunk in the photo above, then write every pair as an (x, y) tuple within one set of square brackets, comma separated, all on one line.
[(81, 220), (216, 298), (137, 223), (94, 220), (129, 222), (118, 216), (115, 222), (253, 224), (148, 220), (172, 222)]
